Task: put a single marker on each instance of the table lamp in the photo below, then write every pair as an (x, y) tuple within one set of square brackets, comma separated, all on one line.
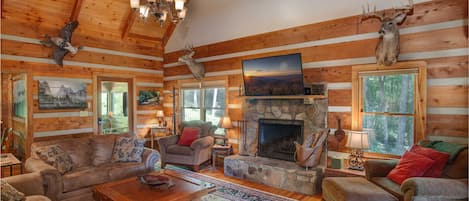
[(225, 122), (159, 115), (357, 140)]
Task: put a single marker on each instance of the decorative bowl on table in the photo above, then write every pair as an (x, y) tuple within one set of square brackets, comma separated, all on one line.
[(156, 181)]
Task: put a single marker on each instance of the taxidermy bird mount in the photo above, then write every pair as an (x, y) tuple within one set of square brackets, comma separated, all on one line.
[(197, 69), (62, 44), (387, 49)]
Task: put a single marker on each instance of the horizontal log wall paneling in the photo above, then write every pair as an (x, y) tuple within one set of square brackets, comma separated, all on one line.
[(436, 33)]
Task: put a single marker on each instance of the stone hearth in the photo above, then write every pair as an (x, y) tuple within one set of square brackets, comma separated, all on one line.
[(273, 172), (276, 173)]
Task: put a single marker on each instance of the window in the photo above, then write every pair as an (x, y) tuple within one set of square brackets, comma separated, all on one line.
[(207, 104), (387, 101)]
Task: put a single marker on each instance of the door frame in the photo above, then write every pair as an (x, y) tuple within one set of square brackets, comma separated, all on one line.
[(132, 106)]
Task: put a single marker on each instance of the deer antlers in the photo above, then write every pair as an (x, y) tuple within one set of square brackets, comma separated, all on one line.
[(366, 14)]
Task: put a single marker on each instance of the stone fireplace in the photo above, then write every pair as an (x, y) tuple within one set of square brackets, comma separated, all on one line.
[(276, 137), (274, 166)]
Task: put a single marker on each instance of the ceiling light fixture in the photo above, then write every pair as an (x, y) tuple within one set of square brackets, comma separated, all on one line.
[(160, 9)]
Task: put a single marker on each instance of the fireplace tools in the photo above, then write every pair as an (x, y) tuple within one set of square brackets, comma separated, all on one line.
[(242, 135)]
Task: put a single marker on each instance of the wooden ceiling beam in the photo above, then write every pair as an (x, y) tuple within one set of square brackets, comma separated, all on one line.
[(167, 34), (76, 10), (140, 36), (129, 23)]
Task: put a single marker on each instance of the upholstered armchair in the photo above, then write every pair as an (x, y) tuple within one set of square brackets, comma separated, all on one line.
[(197, 153), (451, 186), (30, 184)]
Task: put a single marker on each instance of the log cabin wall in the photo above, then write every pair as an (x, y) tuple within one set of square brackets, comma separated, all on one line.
[(436, 33), (112, 47)]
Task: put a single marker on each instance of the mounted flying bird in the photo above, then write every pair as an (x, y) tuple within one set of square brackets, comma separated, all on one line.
[(62, 44)]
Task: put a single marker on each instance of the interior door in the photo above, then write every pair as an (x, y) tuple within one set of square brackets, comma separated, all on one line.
[(115, 105)]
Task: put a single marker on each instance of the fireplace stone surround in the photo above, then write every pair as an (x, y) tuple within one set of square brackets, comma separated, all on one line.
[(273, 172)]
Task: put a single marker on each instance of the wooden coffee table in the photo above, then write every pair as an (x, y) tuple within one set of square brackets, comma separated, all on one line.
[(130, 189)]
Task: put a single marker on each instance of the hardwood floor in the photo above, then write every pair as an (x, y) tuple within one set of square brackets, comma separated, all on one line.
[(218, 173)]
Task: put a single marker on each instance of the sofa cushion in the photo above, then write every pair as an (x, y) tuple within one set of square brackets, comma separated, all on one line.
[(37, 198), (189, 134), (10, 193), (206, 128), (388, 185), (128, 149), (102, 146), (179, 150), (124, 170), (440, 159), (54, 155), (84, 177), (79, 150), (450, 148), (458, 168), (410, 165)]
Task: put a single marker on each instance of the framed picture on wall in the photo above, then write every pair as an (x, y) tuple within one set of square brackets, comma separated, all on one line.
[(149, 97), (62, 94), (19, 98)]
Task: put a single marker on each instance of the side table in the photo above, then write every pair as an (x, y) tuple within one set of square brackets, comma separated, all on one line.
[(220, 150), (9, 160)]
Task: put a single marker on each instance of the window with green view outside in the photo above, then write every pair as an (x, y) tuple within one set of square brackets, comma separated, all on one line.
[(207, 104), (388, 111)]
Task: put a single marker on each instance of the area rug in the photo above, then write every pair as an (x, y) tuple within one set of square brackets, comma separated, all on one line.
[(227, 191)]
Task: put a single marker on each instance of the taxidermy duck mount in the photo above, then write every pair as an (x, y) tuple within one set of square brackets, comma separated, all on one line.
[(62, 44)]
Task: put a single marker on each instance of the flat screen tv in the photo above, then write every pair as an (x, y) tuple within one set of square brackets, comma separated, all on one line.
[(273, 76)]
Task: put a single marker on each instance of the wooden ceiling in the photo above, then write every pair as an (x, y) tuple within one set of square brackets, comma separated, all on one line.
[(101, 22)]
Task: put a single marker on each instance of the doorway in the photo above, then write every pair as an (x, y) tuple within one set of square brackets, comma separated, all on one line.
[(14, 118), (115, 105)]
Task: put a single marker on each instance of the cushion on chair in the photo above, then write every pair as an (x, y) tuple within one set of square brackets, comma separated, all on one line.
[(128, 149), (179, 150), (206, 128), (410, 165), (103, 146), (124, 170), (55, 156), (189, 134), (440, 159), (85, 177), (10, 193)]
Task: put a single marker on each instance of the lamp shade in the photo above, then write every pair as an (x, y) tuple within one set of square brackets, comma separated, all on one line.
[(159, 113), (225, 122), (357, 140)]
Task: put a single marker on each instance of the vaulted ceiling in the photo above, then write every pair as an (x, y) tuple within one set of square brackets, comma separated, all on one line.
[(101, 22), (112, 24)]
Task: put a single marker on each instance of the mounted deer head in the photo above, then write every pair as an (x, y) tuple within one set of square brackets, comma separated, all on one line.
[(197, 69), (387, 49)]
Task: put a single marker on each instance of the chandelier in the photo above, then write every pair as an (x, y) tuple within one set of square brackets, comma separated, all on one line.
[(160, 9)]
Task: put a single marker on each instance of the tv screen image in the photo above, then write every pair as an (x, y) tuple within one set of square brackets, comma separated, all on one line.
[(271, 76)]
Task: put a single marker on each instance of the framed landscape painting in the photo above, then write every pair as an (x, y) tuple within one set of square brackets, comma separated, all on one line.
[(147, 97), (61, 94), (19, 98)]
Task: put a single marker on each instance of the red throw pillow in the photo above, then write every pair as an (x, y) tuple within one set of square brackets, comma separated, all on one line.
[(410, 165), (189, 134), (440, 159)]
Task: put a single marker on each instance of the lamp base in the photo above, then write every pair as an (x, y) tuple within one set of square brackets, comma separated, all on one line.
[(356, 160)]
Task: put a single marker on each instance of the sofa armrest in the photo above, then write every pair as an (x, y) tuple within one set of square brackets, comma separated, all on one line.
[(150, 157), (451, 189), (50, 175), (29, 183), (378, 167), (166, 141), (202, 142)]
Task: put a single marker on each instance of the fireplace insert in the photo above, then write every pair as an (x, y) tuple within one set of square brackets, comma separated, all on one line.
[(276, 137)]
